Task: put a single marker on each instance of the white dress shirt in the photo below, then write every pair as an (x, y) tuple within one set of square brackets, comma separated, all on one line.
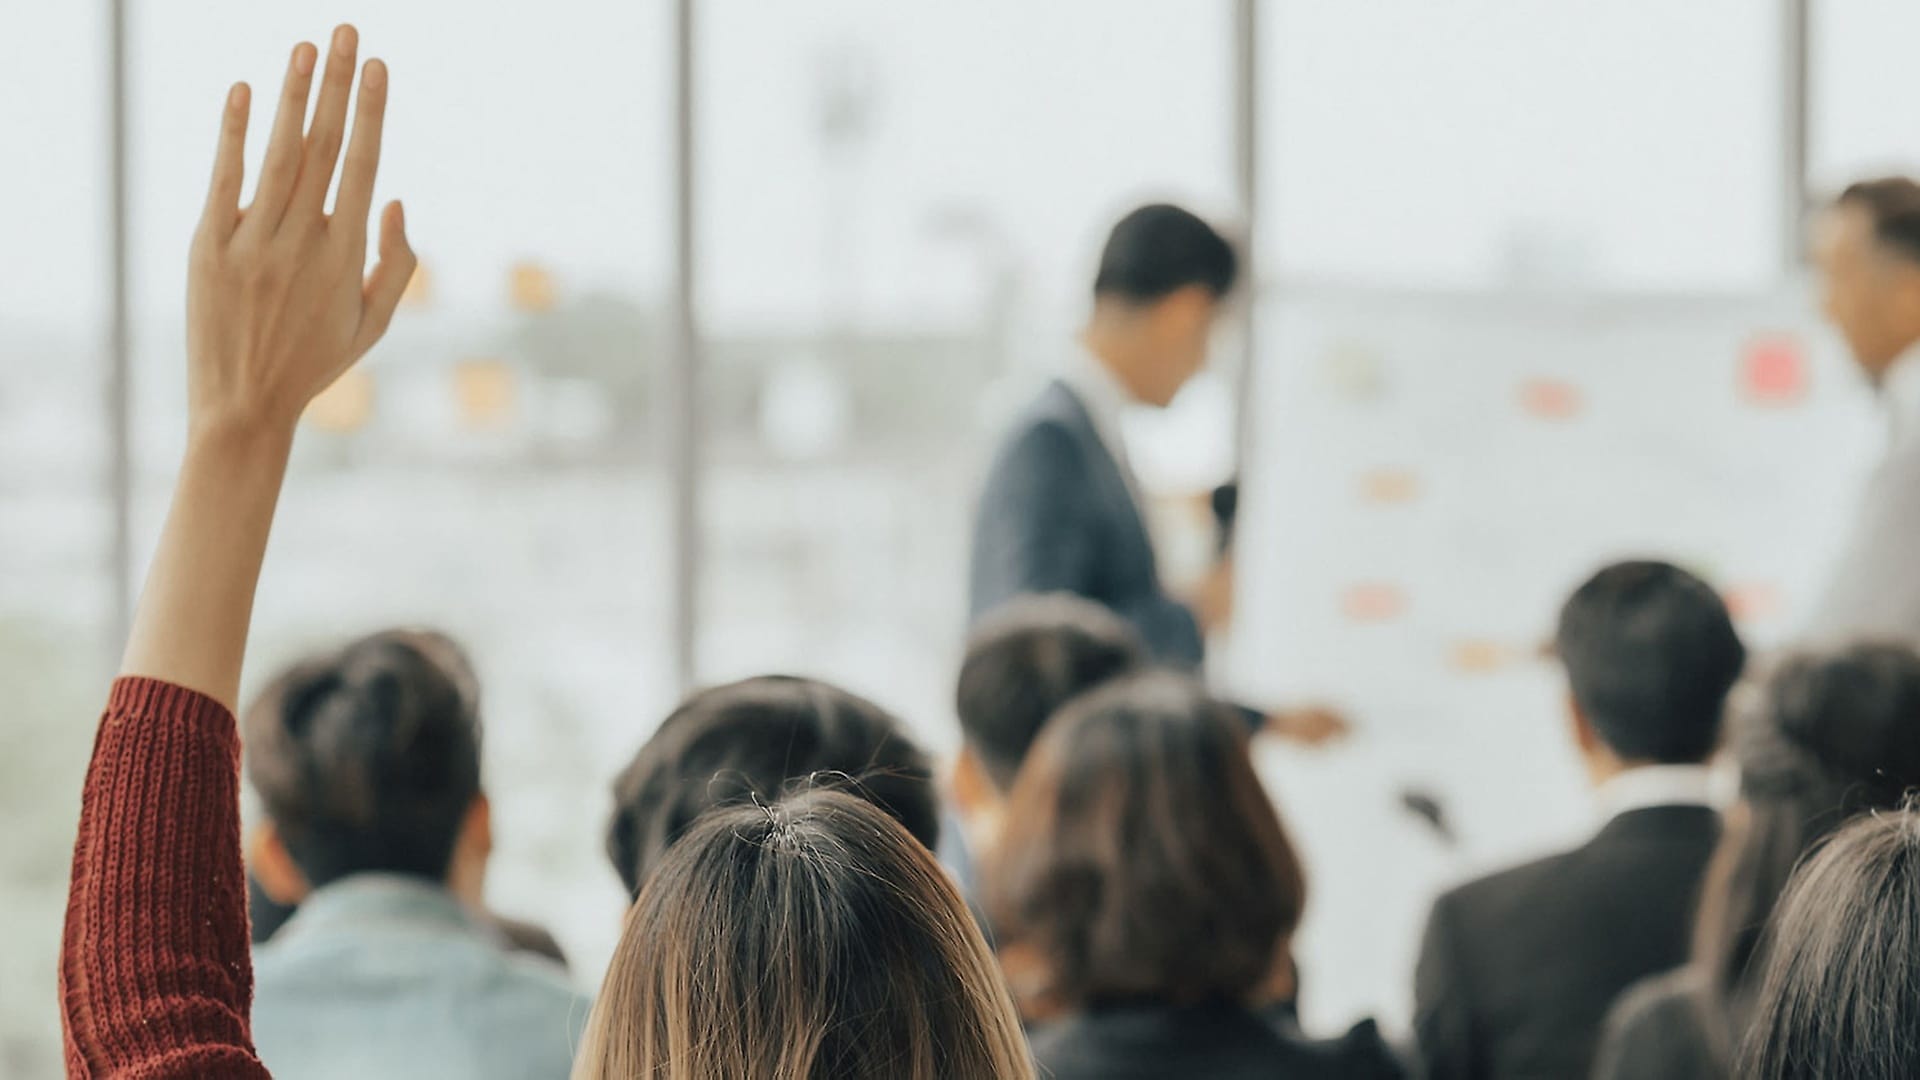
[(1648, 786), (1900, 389), (1873, 590)]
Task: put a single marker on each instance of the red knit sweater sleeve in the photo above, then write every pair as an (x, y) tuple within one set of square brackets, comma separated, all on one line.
[(155, 976)]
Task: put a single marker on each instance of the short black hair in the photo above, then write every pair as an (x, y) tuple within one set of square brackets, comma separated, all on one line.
[(1651, 654), (367, 759), (1025, 660), (1893, 204), (1160, 249), (753, 741)]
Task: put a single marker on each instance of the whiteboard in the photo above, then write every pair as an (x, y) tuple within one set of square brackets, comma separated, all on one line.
[(1428, 477)]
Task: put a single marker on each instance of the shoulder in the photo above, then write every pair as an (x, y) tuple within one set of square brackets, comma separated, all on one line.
[(1657, 1008), (1044, 439), (1654, 1030), (1492, 899)]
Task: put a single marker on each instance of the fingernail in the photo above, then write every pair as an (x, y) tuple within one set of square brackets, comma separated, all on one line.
[(303, 55), (375, 76), (343, 38), (237, 97)]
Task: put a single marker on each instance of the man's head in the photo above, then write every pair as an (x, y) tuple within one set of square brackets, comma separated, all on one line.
[(1164, 276), (755, 741), (1024, 661), (1651, 655), (367, 759), (1868, 249)]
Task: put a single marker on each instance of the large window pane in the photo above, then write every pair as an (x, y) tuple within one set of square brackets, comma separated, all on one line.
[(492, 470), (900, 206), (1624, 144), (1862, 86), (55, 520)]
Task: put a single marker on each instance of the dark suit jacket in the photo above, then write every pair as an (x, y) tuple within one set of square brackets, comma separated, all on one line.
[(1518, 969), (1658, 1031), (1057, 516), (1222, 1042)]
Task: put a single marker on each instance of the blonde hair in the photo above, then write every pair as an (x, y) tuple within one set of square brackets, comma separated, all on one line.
[(810, 939)]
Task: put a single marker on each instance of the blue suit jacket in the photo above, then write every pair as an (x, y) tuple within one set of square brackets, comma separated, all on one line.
[(1057, 516)]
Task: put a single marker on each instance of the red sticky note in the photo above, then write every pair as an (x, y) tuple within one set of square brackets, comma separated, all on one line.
[(1773, 370), (1550, 399), (1373, 601), (1753, 600)]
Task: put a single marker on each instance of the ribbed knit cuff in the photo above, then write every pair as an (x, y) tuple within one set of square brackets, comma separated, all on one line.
[(137, 695)]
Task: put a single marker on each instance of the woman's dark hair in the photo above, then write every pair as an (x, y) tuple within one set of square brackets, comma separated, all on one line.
[(808, 939), (750, 741), (1840, 996), (1142, 859), (368, 758), (1835, 734), (1025, 660)]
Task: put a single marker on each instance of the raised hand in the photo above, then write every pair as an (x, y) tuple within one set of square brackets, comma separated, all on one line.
[(279, 302)]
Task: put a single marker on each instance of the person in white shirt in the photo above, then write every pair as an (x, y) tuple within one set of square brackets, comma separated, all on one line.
[(1868, 251)]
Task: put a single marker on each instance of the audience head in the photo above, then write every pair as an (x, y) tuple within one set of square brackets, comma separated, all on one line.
[(1141, 858), (367, 759), (1868, 251), (1840, 997), (750, 741), (1164, 277), (1650, 654), (1836, 734), (807, 938), (1024, 661)]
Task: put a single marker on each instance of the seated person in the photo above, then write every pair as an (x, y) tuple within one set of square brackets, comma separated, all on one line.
[(1517, 970), (755, 741), (368, 764), (808, 936), (1834, 736), (1145, 896), (1840, 999), (1024, 661), (267, 914)]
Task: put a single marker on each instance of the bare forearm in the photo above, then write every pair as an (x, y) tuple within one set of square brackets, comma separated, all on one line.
[(190, 628)]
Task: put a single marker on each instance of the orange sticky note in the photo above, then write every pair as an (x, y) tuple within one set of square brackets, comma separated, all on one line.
[(1477, 657), (344, 407), (486, 392), (1389, 486), (419, 291), (1550, 399), (1373, 601), (531, 287)]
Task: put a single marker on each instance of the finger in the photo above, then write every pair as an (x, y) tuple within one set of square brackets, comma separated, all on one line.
[(329, 126), (283, 145), (389, 279), (363, 153), (229, 164)]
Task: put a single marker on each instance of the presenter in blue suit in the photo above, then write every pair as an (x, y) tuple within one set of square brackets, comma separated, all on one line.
[(1061, 511)]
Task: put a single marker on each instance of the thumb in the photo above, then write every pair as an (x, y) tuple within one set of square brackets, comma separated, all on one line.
[(388, 281)]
